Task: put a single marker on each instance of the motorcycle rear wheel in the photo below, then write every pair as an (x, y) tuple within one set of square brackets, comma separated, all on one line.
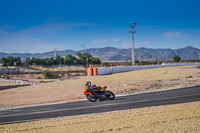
[(91, 98)]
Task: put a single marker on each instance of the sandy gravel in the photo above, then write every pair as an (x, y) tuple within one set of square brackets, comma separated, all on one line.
[(177, 118), (120, 83)]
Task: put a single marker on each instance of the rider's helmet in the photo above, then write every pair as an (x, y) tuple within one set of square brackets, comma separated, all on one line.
[(88, 83)]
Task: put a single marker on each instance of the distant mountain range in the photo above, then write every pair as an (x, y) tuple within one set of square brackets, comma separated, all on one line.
[(115, 54)]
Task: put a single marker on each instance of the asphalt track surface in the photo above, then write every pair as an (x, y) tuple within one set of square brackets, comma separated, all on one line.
[(182, 95)]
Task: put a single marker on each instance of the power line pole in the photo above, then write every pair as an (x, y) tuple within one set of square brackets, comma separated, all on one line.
[(54, 53), (82, 45), (132, 25)]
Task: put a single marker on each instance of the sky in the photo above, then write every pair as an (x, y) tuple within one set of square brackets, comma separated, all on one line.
[(37, 26)]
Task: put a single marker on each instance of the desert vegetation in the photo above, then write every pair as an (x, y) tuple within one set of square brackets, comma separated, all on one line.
[(82, 58)]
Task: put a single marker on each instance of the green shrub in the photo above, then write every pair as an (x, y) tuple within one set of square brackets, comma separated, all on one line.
[(48, 74), (133, 89), (189, 76), (105, 64), (177, 58)]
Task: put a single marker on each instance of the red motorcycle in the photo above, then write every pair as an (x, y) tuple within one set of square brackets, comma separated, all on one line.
[(93, 94)]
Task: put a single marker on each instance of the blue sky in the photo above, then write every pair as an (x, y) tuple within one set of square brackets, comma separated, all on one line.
[(35, 26)]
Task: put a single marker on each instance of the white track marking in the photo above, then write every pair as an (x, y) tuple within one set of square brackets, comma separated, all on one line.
[(38, 105), (111, 104), (64, 116)]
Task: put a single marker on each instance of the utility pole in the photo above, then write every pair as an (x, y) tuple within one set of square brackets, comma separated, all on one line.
[(139, 58), (54, 53), (82, 45), (132, 25)]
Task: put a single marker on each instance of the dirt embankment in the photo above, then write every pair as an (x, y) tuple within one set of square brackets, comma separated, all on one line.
[(171, 118), (120, 83)]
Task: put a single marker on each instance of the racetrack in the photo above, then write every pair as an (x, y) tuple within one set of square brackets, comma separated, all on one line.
[(182, 95)]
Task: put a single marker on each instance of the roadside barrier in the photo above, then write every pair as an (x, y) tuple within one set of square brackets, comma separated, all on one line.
[(18, 81), (95, 71), (118, 69), (90, 72), (9, 70)]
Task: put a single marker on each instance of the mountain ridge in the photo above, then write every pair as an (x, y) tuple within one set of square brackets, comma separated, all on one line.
[(117, 54)]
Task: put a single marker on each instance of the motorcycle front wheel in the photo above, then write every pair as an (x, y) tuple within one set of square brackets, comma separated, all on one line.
[(91, 98), (111, 95)]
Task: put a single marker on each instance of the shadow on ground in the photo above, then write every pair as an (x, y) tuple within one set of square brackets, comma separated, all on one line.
[(11, 86)]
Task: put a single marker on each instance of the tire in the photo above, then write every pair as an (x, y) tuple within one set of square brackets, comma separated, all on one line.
[(91, 98), (111, 95)]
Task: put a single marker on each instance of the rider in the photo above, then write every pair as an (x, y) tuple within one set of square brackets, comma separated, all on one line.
[(88, 85), (101, 88), (93, 87)]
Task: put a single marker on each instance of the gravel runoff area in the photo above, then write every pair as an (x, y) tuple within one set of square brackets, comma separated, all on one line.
[(170, 118), (133, 82)]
